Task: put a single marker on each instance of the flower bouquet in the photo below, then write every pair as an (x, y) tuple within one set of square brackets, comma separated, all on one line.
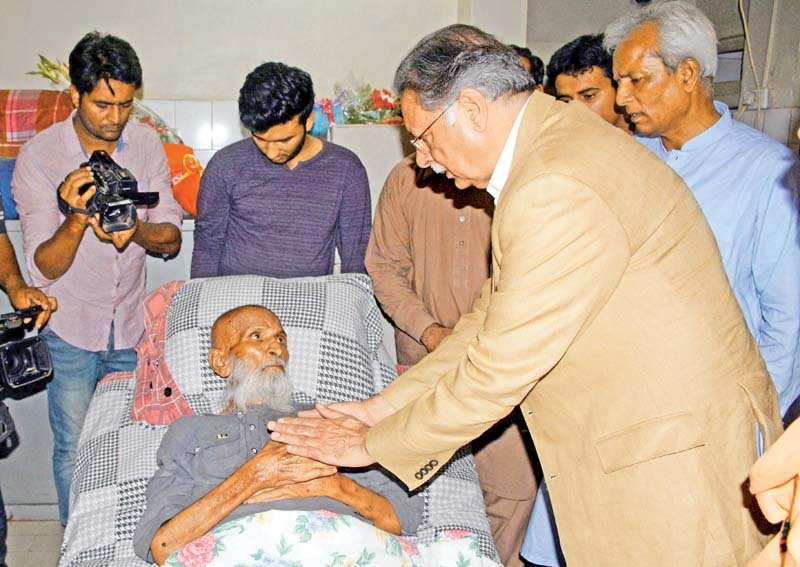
[(364, 105)]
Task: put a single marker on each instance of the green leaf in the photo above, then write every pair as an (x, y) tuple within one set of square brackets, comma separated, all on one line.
[(283, 547), (366, 558), (393, 547)]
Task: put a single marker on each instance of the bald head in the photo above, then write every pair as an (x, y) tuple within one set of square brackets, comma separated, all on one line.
[(249, 332), (234, 321)]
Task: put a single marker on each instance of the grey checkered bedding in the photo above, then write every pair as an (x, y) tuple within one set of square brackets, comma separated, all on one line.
[(335, 341)]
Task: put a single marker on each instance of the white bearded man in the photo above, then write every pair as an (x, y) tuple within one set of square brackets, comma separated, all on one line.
[(215, 468)]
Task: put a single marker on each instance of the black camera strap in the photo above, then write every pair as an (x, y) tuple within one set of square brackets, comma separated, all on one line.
[(65, 208)]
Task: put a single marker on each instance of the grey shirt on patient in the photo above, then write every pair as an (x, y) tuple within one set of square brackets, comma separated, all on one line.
[(198, 452)]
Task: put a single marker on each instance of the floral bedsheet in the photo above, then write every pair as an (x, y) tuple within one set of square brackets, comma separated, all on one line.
[(316, 539)]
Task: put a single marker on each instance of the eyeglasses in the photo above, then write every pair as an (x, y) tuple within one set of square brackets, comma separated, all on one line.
[(417, 142)]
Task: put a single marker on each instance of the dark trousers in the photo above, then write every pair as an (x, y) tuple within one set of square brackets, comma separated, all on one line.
[(3, 531)]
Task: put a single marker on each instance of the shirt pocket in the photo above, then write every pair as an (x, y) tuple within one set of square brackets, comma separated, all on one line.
[(648, 440), (218, 455)]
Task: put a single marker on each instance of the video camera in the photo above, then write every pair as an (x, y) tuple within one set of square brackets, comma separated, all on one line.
[(117, 194), (23, 361)]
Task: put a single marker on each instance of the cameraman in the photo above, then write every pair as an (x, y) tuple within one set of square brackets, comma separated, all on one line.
[(21, 296), (99, 278)]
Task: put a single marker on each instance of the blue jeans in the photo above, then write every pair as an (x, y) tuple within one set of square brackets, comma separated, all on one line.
[(76, 373)]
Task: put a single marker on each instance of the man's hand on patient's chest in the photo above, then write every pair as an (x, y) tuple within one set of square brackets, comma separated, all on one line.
[(370, 411), (338, 439)]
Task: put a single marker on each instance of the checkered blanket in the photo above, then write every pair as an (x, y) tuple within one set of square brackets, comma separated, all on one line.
[(117, 456), (25, 113)]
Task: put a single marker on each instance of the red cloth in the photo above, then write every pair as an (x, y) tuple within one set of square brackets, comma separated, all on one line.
[(186, 171), (24, 113), (156, 398)]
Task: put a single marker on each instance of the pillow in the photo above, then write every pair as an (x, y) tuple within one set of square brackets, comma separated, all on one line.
[(332, 322)]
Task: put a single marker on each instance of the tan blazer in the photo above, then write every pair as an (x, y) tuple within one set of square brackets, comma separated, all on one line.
[(609, 318)]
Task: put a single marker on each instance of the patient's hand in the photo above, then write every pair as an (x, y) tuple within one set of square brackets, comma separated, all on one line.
[(329, 486), (274, 466)]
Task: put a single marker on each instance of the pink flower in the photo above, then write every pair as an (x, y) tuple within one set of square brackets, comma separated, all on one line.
[(409, 547), (327, 514), (198, 553), (457, 534)]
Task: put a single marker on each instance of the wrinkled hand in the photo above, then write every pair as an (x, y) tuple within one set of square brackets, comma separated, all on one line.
[(274, 466), (370, 411), (339, 439), (324, 486), (25, 296), (119, 239), (69, 191), (434, 335)]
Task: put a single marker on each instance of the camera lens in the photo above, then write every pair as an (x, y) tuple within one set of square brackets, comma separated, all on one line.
[(17, 363)]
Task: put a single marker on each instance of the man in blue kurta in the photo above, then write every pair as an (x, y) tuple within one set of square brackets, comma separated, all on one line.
[(745, 182)]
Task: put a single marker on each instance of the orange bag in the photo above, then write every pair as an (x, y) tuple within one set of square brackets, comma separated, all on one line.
[(186, 171)]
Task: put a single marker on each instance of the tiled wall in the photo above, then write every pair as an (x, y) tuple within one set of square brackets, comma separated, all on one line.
[(206, 126)]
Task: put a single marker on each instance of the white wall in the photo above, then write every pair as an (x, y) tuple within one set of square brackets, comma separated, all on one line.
[(202, 49), (505, 19), (552, 23)]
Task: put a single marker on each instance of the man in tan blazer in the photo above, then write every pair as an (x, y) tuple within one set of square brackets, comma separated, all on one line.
[(608, 317)]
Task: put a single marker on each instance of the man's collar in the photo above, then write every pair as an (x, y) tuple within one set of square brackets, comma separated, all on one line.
[(713, 133), (710, 135), (72, 143), (503, 167)]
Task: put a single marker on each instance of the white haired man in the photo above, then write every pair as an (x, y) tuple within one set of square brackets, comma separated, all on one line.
[(214, 468), (665, 57), (608, 317)]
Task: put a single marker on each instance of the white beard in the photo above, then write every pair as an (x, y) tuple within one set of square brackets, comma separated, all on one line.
[(249, 386)]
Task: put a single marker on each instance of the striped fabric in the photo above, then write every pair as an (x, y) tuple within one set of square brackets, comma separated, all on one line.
[(24, 113)]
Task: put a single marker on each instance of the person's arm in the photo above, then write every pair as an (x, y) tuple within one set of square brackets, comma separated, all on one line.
[(354, 220), (571, 265), (160, 233), (368, 503), (158, 238), (776, 264), (389, 262), (20, 293), (211, 225), (50, 244), (272, 467)]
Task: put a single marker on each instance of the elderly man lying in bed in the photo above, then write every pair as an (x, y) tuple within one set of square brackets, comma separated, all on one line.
[(214, 468)]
